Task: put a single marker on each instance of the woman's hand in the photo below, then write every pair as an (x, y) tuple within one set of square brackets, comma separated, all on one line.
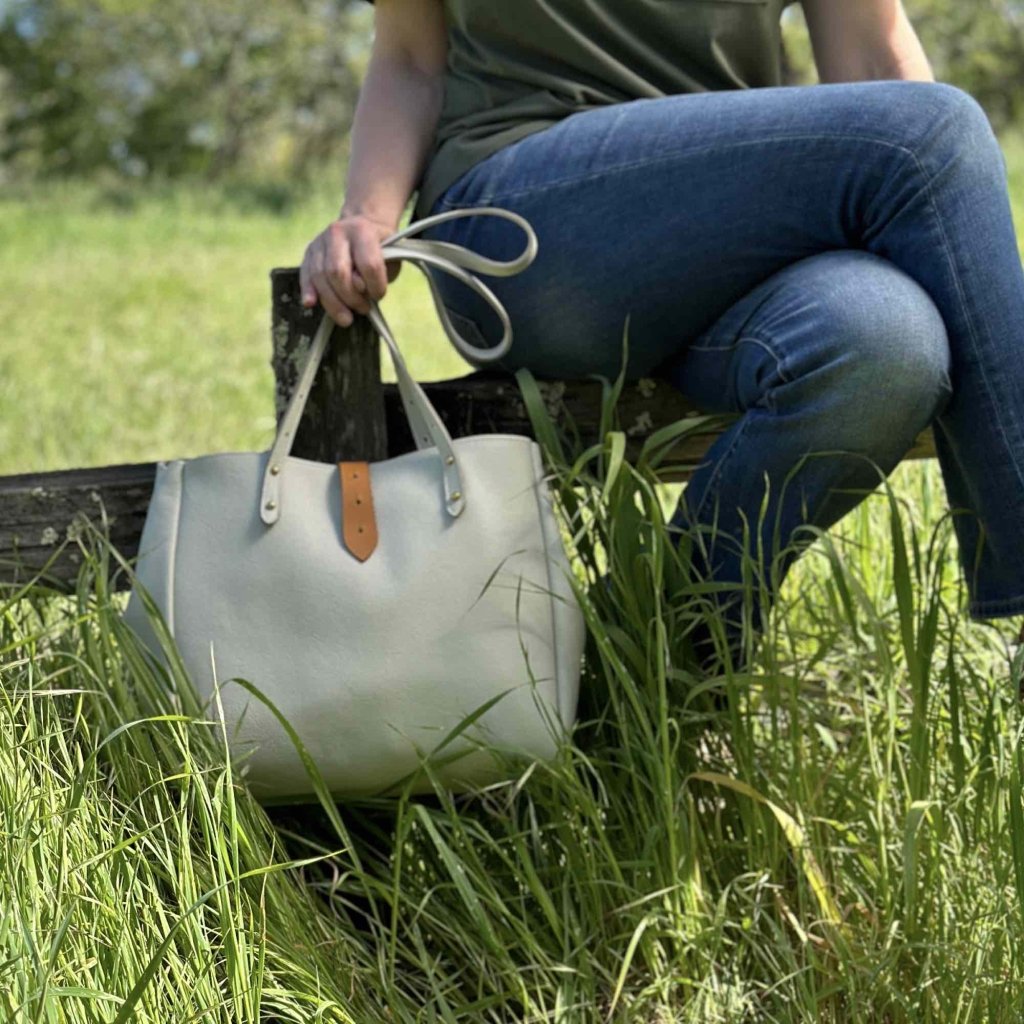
[(343, 267), (393, 132)]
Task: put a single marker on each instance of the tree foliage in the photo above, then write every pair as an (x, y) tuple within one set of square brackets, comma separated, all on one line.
[(177, 86), (979, 46), (975, 44), (214, 87)]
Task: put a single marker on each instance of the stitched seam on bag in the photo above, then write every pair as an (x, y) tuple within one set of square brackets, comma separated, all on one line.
[(172, 585), (503, 438), (539, 481)]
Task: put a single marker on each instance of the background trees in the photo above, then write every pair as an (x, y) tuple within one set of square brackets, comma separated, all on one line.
[(977, 45), (201, 87), (212, 88)]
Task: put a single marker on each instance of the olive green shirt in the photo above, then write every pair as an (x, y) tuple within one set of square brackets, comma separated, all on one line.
[(518, 66)]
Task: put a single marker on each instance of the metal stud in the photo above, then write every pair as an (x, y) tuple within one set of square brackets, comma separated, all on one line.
[(271, 505), (274, 470), (455, 495), (450, 461)]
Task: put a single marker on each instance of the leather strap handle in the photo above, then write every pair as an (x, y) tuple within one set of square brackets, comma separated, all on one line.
[(428, 429)]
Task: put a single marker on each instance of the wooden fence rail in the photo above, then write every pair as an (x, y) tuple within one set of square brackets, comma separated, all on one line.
[(351, 414)]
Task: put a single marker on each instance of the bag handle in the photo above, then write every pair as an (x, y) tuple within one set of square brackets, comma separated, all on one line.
[(428, 429)]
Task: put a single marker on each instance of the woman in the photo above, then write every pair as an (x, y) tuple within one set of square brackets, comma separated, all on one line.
[(836, 263)]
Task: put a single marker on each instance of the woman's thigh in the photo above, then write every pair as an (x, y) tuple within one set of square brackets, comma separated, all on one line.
[(669, 210)]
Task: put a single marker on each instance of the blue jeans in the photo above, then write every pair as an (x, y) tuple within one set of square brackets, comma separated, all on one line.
[(836, 264)]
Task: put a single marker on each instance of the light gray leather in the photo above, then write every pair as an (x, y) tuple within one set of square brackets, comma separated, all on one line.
[(461, 600)]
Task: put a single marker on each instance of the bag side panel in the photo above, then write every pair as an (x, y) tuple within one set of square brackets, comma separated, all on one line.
[(155, 565)]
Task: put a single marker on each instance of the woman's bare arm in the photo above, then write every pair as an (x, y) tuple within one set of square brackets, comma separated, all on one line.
[(858, 40), (392, 133)]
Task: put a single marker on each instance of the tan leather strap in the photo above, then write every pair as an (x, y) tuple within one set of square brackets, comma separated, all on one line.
[(358, 523)]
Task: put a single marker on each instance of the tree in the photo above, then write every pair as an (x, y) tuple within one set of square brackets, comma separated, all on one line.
[(178, 86), (977, 45)]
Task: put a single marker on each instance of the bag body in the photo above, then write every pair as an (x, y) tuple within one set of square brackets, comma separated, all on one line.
[(374, 653)]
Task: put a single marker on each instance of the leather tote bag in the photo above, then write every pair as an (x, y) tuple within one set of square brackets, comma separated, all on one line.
[(415, 607)]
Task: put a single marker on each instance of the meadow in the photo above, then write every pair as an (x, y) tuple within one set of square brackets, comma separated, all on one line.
[(836, 834)]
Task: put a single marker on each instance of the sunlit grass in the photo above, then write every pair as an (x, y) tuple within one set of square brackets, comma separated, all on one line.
[(137, 326), (835, 834)]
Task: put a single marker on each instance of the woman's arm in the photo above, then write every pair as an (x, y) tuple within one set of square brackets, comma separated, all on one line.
[(398, 109), (856, 40), (392, 133)]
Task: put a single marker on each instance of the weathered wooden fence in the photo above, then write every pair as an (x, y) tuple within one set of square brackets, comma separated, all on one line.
[(351, 414)]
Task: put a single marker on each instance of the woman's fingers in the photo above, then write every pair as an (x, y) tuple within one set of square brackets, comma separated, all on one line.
[(368, 261), (344, 268), (324, 274), (306, 288), (339, 266)]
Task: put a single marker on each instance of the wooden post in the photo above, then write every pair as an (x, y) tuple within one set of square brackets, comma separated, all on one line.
[(344, 418)]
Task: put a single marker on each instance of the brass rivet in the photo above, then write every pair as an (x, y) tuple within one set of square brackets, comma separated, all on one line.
[(456, 495), (271, 505), (450, 461), (274, 470)]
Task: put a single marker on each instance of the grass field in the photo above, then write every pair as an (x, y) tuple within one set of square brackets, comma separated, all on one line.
[(139, 326), (840, 838)]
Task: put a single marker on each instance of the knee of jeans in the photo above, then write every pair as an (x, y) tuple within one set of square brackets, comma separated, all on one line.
[(882, 343), (914, 373), (958, 120)]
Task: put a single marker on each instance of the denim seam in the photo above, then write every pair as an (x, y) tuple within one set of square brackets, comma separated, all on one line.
[(496, 198), (716, 474), (764, 343), (1003, 606), (947, 250)]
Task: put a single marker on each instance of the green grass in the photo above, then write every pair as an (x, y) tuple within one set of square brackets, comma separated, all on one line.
[(137, 324), (836, 835)]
